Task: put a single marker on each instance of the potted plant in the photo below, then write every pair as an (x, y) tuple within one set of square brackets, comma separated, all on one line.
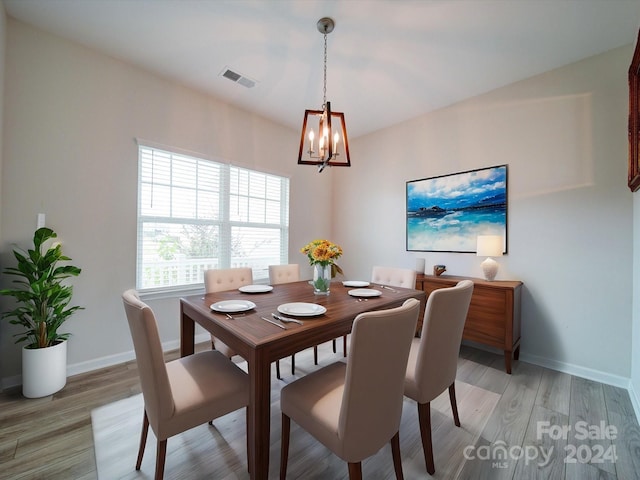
[(42, 307)]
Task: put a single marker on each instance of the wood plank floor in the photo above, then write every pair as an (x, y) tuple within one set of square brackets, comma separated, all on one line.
[(543, 424)]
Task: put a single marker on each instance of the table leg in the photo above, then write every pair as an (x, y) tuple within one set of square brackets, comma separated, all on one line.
[(187, 334), (258, 426)]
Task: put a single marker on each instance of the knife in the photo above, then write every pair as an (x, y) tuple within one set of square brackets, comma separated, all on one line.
[(274, 323), (287, 319), (388, 288)]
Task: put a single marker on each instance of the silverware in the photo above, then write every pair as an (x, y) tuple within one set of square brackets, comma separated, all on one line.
[(274, 323), (287, 320), (388, 288)]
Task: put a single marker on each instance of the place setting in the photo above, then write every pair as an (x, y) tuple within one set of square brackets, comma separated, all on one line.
[(256, 288), (229, 308), (295, 309)]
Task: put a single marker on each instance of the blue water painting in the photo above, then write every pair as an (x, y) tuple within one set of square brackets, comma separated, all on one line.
[(447, 213)]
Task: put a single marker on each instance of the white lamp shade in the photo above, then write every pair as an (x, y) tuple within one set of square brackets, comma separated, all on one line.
[(489, 246)]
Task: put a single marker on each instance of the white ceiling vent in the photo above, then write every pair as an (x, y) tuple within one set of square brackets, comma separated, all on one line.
[(237, 78)]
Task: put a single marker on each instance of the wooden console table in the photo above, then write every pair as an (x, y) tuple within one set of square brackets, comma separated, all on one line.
[(494, 313)]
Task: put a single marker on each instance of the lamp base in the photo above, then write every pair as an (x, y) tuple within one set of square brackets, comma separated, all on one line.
[(490, 268)]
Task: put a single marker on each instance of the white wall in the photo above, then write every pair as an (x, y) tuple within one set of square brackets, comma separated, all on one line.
[(634, 391), (563, 135), (72, 116)]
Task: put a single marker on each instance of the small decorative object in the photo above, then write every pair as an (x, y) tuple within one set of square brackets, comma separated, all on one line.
[(322, 255), (489, 246), (420, 265), (42, 308), (439, 270)]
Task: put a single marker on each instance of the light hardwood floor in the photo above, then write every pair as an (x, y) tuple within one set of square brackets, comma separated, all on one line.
[(52, 438)]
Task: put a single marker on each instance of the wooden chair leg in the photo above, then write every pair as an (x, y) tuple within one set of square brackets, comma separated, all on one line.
[(454, 404), (293, 364), (344, 346), (278, 370), (395, 452), (355, 471), (248, 444), (143, 440), (424, 417), (160, 458), (284, 446), (315, 355)]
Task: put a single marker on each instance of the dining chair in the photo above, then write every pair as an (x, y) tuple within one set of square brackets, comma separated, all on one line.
[(219, 280), (279, 274), (354, 408), (433, 359), (183, 393), (394, 276)]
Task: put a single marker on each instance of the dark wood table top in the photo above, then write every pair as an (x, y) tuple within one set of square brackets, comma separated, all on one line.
[(249, 329)]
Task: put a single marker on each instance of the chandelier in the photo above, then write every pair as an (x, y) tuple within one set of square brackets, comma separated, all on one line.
[(327, 144)]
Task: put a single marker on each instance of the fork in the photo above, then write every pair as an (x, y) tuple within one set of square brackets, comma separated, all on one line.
[(287, 320)]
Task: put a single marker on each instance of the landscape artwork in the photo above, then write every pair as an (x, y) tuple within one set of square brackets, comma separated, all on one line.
[(447, 213)]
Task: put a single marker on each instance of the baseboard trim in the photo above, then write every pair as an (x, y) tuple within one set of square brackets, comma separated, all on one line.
[(635, 400), (578, 371), (103, 362)]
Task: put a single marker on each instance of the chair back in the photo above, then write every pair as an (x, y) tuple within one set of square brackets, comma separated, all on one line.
[(396, 277), (154, 380), (437, 359), (221, 279), (284, 273), (374, 382)]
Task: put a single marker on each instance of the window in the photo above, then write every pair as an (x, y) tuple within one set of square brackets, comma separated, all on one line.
[(195, 214)]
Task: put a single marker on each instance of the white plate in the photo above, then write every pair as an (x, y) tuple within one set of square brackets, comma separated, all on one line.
[(228, 306), (301, 309), (364, 292), (355, 283), (255, 288)]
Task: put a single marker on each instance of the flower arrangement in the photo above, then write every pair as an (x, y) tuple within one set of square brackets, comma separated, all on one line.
[(322, 254)]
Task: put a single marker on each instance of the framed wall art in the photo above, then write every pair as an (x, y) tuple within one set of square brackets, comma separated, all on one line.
[(447, 213)]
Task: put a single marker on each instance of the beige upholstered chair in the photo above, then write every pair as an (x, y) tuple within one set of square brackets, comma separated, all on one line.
[(285, 274), (183, 393), (395, 277), (433, 359), (219, 280), (355, 408)]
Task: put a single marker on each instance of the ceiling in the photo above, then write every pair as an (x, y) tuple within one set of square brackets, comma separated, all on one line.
[(388, 60)]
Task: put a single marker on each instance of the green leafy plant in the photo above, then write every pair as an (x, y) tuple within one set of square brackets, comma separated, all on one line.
[(43, 300)]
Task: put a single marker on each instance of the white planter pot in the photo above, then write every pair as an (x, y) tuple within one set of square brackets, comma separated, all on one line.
[(44, 370)]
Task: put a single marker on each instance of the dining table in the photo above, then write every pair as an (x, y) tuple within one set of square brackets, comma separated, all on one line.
[(261, 342)]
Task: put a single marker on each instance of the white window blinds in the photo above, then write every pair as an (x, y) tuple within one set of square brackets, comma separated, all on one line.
[(195, 214)]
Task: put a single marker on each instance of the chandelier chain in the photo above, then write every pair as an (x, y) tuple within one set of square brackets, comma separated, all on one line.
[(324, 90)]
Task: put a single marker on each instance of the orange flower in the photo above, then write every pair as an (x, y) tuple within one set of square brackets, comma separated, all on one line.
[(322, 252)]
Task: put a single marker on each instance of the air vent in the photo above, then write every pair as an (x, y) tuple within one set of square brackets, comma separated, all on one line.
[(237, 78)]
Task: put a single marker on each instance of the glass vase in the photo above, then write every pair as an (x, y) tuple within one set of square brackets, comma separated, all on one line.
[(321, 279)]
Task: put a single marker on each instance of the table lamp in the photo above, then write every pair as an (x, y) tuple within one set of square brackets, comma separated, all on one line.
[(489, 246)]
